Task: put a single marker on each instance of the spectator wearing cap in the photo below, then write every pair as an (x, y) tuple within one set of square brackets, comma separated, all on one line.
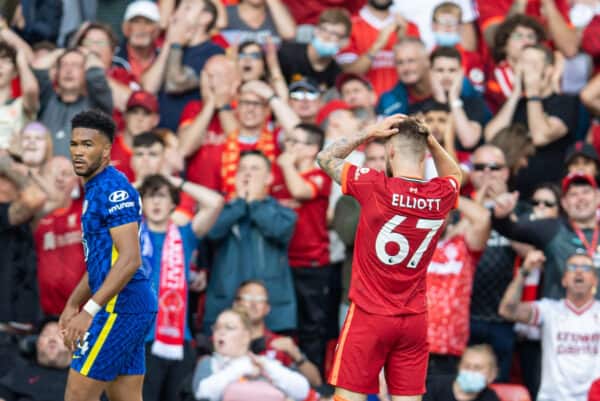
[(141, 115), (570, 328), (80, 84), (305, 99), (375, 32), (415, 83), (141, 29), (316, 59), (553, 120), (582, 158), (557, 237), (175, 74), (356, 90)]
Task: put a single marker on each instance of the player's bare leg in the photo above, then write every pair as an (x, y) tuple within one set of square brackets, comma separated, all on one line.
[(126, 388), (82, 388)]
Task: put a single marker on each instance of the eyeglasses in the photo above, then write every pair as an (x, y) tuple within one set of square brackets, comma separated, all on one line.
[(571, 267), (252, 55), (250, 103), (294, 141), (540, 202), (303, 95), (252, 298), (520, 36), (491, 166)]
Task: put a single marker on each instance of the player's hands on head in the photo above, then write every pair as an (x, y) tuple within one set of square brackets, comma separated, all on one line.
[(534, 260), (505, 203), (75, 329), (384, 128)]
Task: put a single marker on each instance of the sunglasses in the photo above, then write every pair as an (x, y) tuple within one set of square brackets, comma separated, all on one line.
[(252, 55), (303, 95), (491, 166), (536, 202), (571, 267)]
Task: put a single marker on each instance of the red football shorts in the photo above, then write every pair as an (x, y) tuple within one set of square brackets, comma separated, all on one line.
[(370, 342)]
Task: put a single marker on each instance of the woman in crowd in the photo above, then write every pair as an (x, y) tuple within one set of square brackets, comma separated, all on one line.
[(258, 63)]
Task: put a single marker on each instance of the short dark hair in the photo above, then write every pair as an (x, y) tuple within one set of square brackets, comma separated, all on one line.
[(434, 105), (336, 15), (445, 51), (251, 281), (147, 139), (258, 153), (153, 183), (66, 53), (108, 31), (97, 120), (210, 7), (314, 133), (506, 28), (9, 52)]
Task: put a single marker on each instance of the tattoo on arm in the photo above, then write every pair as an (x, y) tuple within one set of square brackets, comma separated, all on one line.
[(180, 78), (331, 159)]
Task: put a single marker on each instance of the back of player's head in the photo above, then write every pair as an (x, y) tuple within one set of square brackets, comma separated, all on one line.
[(147, 139), (96, 120), (154, 183), (314, 134), (411, 139)]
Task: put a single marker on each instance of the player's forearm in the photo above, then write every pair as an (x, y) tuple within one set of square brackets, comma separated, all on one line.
[(119, 275), (81, 293), (331, 159), (444, 163)]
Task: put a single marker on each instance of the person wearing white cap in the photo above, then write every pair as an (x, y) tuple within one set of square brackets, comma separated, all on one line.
[(141, 28)]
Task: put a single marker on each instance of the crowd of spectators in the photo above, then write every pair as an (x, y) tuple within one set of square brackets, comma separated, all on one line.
[(222, 107)]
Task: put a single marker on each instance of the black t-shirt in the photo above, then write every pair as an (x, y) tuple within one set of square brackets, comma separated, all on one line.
[(439, 388), (30, 382), (547, 163), (294, 62), (19, 300)]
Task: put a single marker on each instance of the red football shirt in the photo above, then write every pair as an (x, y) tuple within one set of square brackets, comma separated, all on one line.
[(310, 243), (449, 283), (273, 353), (491, 12), (365, 30), (397, 232), (60, 262), (120, 157)]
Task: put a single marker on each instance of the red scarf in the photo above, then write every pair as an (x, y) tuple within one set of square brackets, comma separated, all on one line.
[(505, 77), (172, 298)]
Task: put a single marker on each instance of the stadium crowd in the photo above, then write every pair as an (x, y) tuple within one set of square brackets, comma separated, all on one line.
[(222, 107)]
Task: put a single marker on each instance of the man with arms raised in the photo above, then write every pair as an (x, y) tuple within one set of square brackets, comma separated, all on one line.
[(107, 335), (400, 222)]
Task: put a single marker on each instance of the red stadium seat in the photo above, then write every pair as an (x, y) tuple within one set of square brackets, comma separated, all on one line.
[(511, 392)]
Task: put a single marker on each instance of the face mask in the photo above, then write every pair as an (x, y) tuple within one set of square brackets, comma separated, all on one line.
[(471, 382), (449, 39), (581, 15), (325, 49), (380, 6)]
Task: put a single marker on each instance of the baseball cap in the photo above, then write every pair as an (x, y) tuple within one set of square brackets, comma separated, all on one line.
[(577, 178), (142, 8), (143, 99), (305, 84), (350, 76), (329, 108), (581, 148)]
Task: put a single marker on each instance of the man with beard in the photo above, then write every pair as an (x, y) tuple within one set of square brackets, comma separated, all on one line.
[(570, 326), (375, 30), (120, 303), (45, 377)]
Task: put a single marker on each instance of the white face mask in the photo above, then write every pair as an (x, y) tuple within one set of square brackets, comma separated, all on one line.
[(581, 15)]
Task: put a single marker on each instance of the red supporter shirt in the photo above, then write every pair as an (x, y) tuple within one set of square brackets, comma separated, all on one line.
[(365, 29), (397, 231), (473, 67), (60, 261), (273, 353), (493, 12), (308, 11), (120, 157), (449, 283), (309, 246), (590, 41)]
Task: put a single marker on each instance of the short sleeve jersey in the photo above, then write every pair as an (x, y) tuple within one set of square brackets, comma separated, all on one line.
[(570, 348), (111, 201), (397, 233)]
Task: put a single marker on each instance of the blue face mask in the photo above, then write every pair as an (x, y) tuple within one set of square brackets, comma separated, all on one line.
[(471, 382), (447, 38), (325, 49)]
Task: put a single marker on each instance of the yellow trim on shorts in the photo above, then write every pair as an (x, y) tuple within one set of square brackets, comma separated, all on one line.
[(98, 344)]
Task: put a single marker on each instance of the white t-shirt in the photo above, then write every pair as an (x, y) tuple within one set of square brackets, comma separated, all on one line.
[(420, 12), (570, 348)]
